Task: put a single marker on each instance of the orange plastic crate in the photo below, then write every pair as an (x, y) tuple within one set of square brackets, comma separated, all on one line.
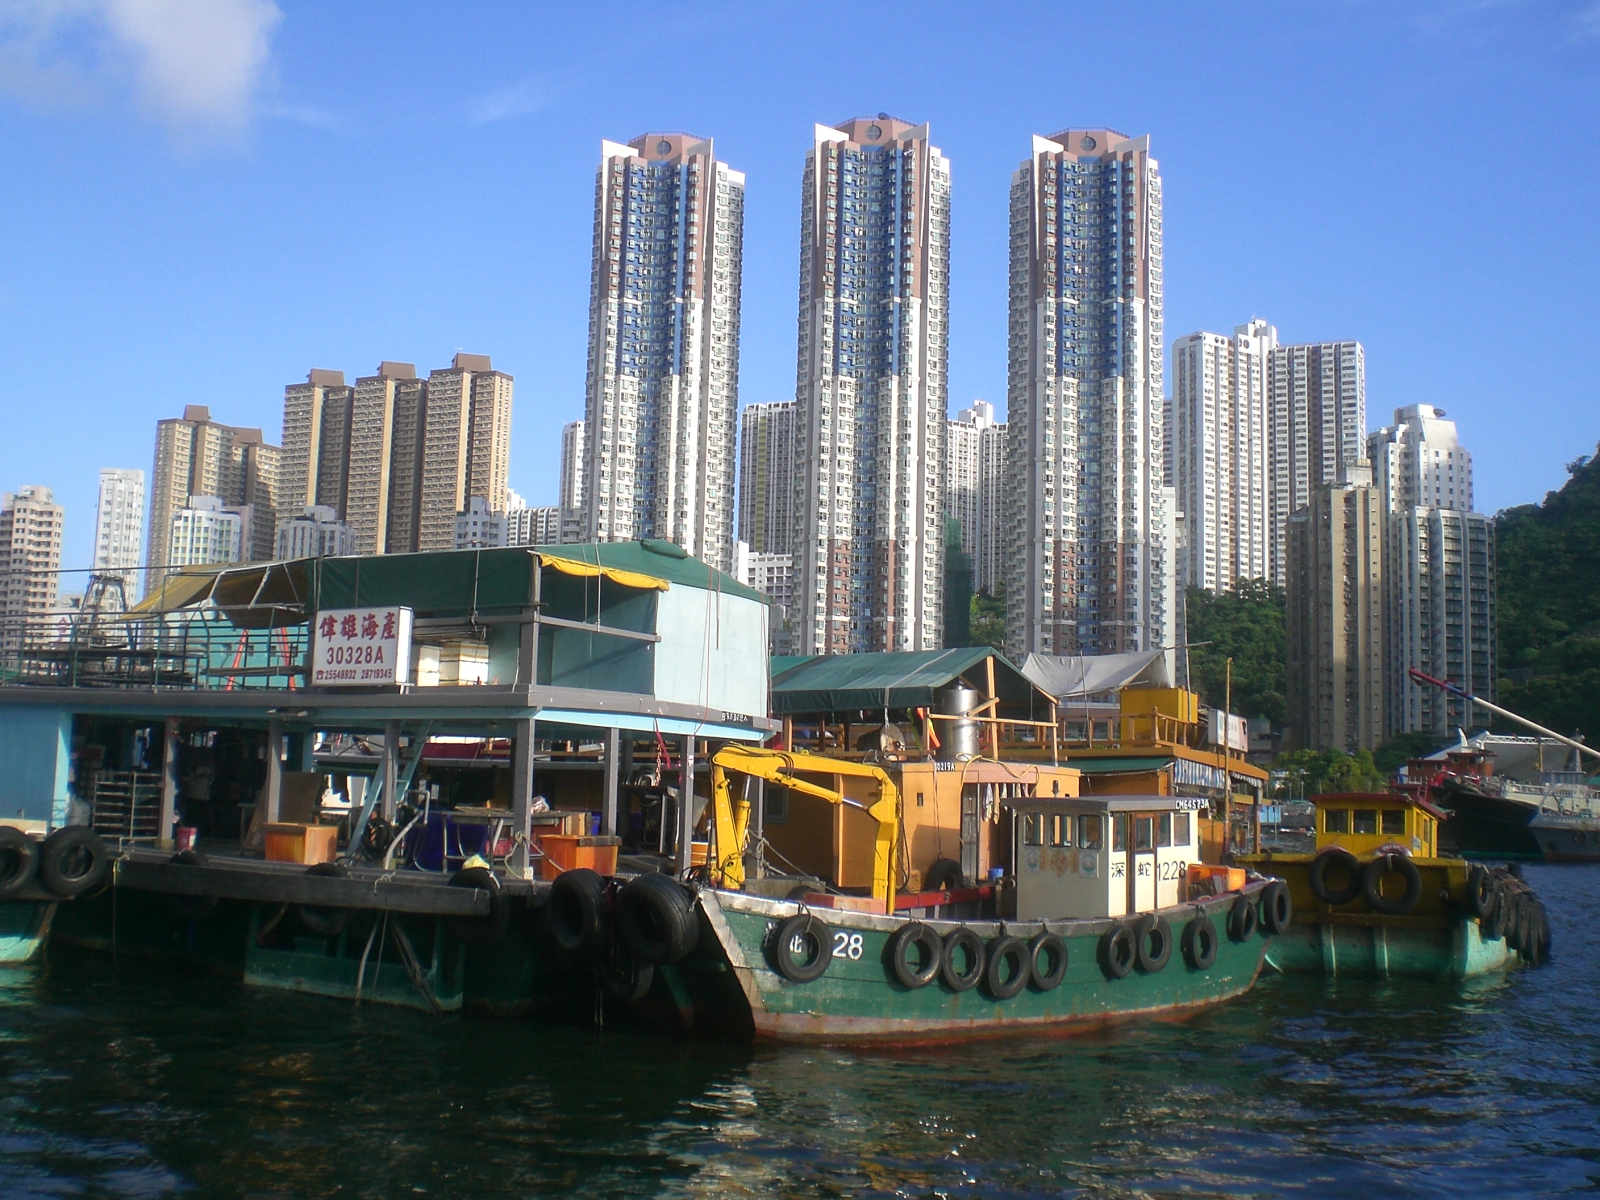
[(302, 843), (562, 852), (1208, 880)]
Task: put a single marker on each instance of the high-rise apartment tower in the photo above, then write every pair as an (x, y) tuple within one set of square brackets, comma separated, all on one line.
[(663, 377), (975, 490), (870, 407), (1090, 530), (119, 526), (30, 564), (766, 477), (1318, 415)]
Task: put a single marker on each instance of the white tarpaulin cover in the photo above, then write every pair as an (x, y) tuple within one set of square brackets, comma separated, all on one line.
[(1079, 675)]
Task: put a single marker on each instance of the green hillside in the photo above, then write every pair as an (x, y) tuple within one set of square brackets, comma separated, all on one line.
[(1549, 605)]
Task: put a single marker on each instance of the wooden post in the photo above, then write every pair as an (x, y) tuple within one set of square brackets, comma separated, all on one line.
[(169, 784), (273, 807), (391, 769), (686, 807), (521, 797), (609, 807), (994, 711), (1055, 735)]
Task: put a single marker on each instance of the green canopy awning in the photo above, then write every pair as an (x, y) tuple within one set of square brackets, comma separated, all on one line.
[(852, 682)]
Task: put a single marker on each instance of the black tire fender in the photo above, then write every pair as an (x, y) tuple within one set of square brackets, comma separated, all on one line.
[(1511, 918), (1277, 908), (19, 861), (1481, 893), (1528, 931), (625, 978), (319, 921), (962, 940), (944, 875), (191, 907), (1049, 946), (656, 918), (1241, 919), (576, 911), (1493, 927), (485, 930), (1118, 951), (72, 860), (1542, 942), (1200, 943), (1006, 949), (1152, 943), (789, 945), (1372, 884), (903, 943), (1317, 876)]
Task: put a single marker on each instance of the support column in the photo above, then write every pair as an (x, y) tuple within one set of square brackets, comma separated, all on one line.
[(686, 807), (391, 769), (169, 784), (609, 807), (755, 861), (522, 796), (272, 799)]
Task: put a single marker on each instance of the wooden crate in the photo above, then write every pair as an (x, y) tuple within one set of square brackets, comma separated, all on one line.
[(565, 853), (302, 843)]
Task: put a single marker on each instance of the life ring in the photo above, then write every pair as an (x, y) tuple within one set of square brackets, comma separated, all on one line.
[(1372, 884), (1152, 940), (1047, 946), (1277, 908), (915, 938), (958, 941), (656, 918), (191, 907), (944, 875), (319, 921), (575, 911), (485, 930), (1005, 981), (1200, 943), (1317, 877), (792, 941), (1481, 893), (19, 861), (1117, 951), (72, 860), (1241, 919)]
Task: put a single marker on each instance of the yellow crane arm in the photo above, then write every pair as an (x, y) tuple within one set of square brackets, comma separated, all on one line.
[(731, 819)]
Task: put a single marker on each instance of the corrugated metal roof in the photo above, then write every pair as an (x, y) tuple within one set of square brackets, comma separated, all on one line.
[(850, 682)]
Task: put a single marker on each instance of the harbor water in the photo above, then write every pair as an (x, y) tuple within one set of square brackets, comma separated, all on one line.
[(132, 1079)]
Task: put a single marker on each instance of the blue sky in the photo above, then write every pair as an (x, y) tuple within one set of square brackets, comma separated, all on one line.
[(199, 201)]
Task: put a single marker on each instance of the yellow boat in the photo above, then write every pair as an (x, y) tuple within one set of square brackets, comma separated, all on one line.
[(1376, 899)]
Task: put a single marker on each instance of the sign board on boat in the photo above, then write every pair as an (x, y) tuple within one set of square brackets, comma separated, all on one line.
[(361, 647)]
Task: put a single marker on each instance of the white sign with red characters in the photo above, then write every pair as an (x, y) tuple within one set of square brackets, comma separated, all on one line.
[(362, 647)]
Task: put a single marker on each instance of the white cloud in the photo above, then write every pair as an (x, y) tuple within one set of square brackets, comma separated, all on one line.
[(520, 99), (193, 64)]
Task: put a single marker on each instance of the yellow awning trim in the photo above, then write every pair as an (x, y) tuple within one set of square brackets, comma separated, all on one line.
[(583, 570)]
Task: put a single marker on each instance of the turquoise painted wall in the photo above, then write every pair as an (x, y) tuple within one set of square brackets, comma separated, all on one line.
[(34, 747)]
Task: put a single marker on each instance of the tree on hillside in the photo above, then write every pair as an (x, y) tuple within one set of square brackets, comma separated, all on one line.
[(1246, 623), (1548, 602), (989, 617), (1312, 772)]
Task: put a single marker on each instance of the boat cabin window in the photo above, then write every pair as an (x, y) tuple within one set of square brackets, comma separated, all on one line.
[(1144, 833), (1033, 828), (1366, 821), (1336, 820), (1394, 820), (1180, 829), (1061, 829), (1090, 835), (1164, 829), (1119, 835)]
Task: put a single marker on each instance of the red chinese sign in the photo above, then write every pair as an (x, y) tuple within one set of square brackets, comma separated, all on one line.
[(358, 647)]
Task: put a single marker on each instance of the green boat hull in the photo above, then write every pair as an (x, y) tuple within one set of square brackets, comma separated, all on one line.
[(731, 987), (1378, 947), (24, 927)]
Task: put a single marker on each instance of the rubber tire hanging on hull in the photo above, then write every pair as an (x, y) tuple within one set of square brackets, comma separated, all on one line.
[(944, 874), (190, 907), (1118, 953), (787, 959), (1372, 884), (19, 861), (60, 866), (1200, 943), (1277, 908), (1241, 919), (486, 930), (1047, 945), (1317, 876), (1000, 985), (1152, 943), (1481, 893), (656, 919), (901, 945), (958, 939), (318, 921), (575, 911)]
